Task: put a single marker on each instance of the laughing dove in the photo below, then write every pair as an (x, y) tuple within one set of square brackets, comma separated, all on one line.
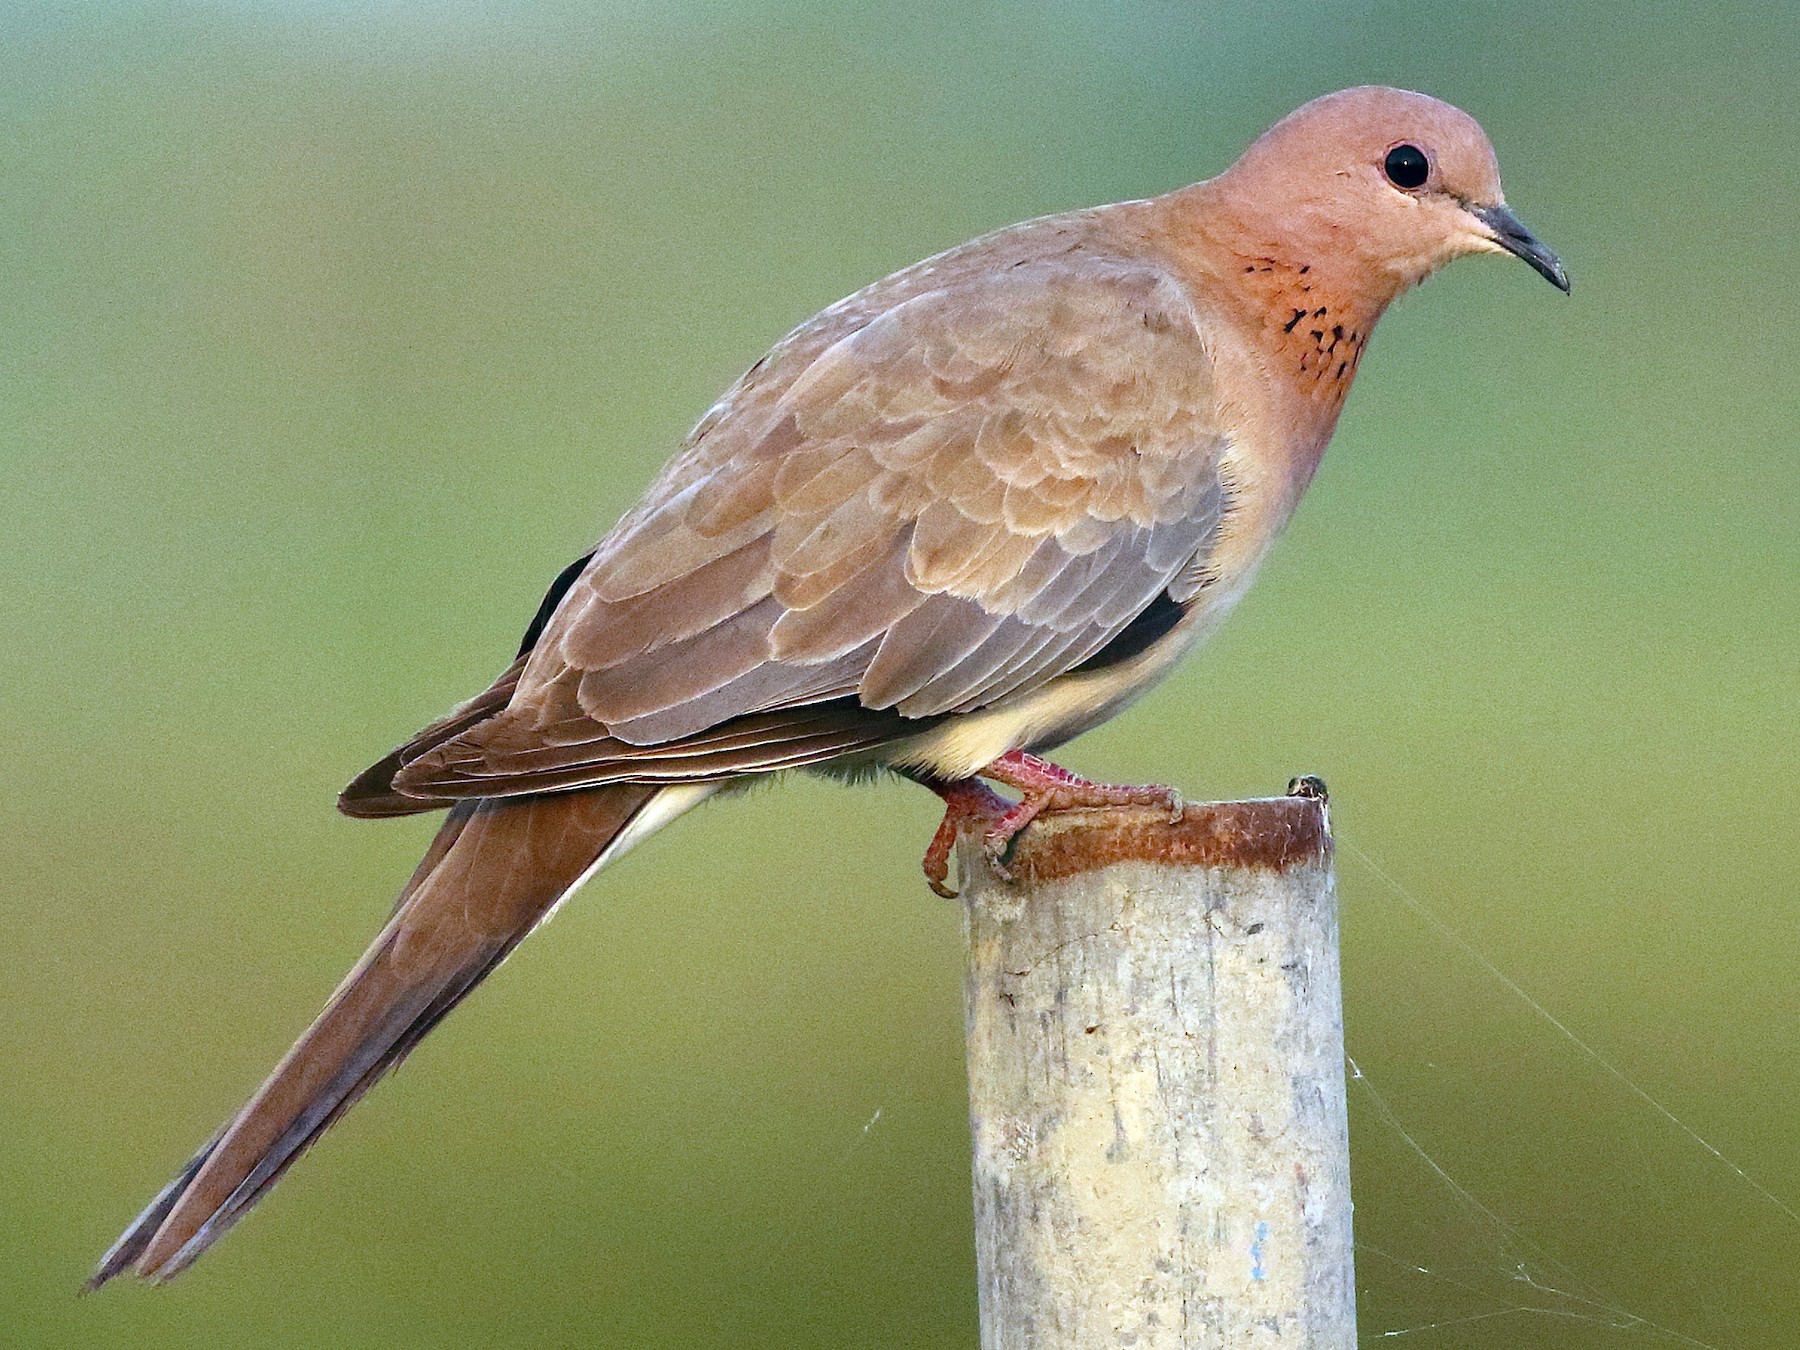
[(959, 517)]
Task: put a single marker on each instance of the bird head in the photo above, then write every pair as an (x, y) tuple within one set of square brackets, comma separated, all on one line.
[(1382, 186)]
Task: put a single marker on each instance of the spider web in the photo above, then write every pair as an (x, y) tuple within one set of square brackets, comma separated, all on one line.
[(1439, 1264), (1491, 1265)]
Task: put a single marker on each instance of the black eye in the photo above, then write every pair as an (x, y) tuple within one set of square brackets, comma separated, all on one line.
[(1406, 167)]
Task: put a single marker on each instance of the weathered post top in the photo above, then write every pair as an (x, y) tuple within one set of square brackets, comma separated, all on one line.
[(1156, 1082), (1268, 833)]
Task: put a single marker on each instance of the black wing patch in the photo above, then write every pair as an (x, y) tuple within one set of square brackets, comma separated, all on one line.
[(1151, 625), (552, 598)]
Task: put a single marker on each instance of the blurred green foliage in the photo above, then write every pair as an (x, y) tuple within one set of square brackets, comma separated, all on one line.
[(329, 331)]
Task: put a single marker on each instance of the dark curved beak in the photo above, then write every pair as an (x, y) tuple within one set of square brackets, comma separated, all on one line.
[(1510, 233)]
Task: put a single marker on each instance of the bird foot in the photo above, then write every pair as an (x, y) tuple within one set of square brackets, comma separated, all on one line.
[(1050, 787), (1042, 786), (965, 801)]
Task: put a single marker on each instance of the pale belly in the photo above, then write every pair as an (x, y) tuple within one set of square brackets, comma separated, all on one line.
[(1061, 710)]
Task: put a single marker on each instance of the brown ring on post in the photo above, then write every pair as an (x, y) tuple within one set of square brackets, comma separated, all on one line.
[(1275, 833)]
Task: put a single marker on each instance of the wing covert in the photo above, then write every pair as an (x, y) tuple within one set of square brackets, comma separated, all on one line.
[(954, 501)]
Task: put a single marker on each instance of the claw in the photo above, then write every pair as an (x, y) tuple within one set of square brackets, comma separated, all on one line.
[(1058, 789), (967, 800), (1042, 786), (998, 842)]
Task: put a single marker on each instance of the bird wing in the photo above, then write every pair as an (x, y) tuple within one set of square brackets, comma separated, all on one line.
[(963, 495)]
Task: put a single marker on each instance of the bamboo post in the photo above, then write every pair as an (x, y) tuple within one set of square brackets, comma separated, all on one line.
[(1156, 1082)]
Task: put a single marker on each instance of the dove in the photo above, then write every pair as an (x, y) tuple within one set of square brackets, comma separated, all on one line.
[(940, 529)]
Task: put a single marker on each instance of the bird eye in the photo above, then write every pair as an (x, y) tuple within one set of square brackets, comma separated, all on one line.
[(1406, 167)]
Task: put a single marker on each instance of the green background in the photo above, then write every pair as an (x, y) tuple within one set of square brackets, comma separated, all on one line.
[(330, 331)]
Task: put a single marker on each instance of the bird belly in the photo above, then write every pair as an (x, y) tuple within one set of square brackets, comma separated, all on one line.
[(960, 746)]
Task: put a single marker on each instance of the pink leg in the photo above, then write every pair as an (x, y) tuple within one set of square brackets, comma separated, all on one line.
[(1042, 786), (968, 799)]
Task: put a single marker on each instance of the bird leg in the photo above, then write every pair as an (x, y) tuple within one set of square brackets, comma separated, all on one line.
[(965, 800), (1050, 787), (1042, 786)]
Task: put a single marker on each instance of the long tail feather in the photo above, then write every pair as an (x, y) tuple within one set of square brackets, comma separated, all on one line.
[(494, 872)]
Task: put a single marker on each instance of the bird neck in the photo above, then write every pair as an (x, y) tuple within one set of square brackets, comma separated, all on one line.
[(1283, 277)]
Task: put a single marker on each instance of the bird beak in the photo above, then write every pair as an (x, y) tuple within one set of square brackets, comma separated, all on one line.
[(1509, 233)]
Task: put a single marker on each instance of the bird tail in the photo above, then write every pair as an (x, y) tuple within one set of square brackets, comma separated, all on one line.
[(495, 871)]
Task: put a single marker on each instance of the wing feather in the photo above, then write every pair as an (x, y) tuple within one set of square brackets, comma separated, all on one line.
[(939, 495)]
